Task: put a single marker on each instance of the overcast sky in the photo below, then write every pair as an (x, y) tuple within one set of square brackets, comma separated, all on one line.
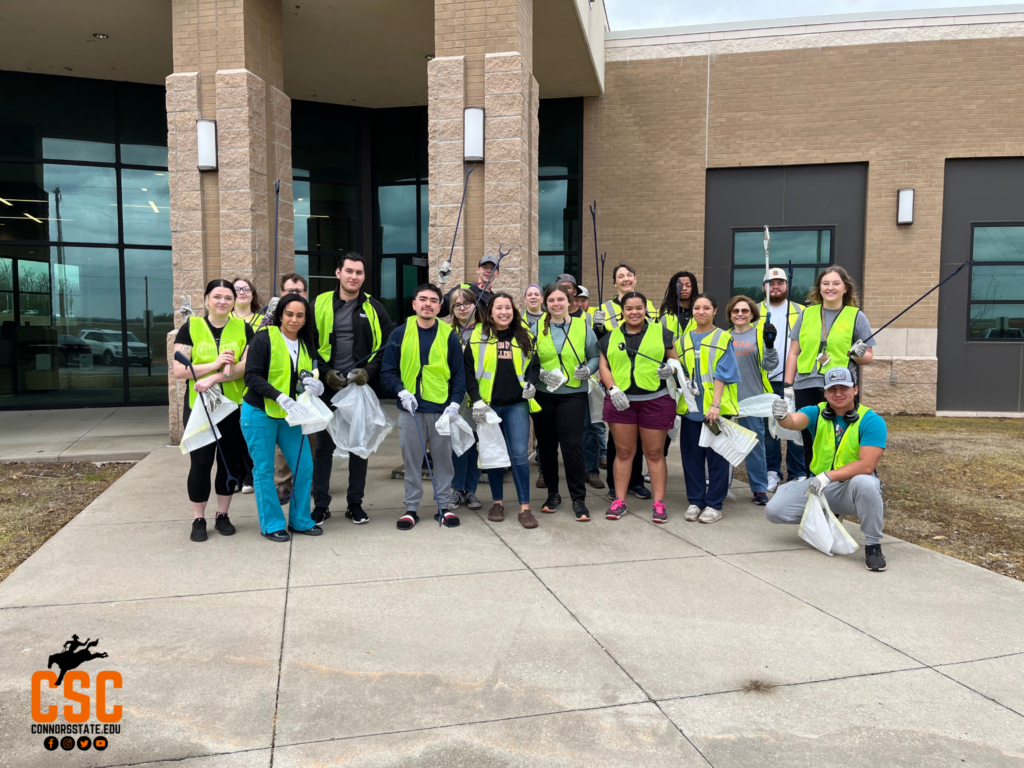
[(643, 14)]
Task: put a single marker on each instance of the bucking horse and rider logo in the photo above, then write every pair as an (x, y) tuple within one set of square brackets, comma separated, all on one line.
[(75, 654)]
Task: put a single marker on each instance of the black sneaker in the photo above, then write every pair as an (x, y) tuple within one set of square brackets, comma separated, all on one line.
[(278, 536), (316, 530), (611, 494), (641, 492), (223, 525), (580, 510), (761, 499), (874, 560), (553, 503), (198, 529), (319, 514), (356, 514)]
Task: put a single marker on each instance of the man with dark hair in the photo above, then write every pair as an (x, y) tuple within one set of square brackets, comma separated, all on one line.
[(349, 330), (424, 366), (487, 267), (293, 282)]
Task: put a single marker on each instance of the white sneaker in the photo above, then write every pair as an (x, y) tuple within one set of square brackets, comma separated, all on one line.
[(773, 481), (710, 515), (247, 489), (692, 513)]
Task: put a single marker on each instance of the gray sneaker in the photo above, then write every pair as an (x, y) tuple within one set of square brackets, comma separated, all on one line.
[(472, 501), (456, 500)]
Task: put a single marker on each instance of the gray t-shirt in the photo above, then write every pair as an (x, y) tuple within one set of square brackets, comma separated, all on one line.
[(590, 358), (344, 336), (747, 360), (861, 330)]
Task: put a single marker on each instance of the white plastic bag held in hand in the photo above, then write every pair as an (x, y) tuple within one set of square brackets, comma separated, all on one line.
[(732, 444), (781, 433), (759, 406), (198, 431), (317, 415), (822, 529), (678, 386), (595, 399), (493, 452), (459, 431), (359, 425)]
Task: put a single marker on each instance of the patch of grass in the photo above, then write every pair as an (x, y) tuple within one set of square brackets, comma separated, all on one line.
[(37, 500)]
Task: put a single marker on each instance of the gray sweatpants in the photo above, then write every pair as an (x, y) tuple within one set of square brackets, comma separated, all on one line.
[(412, 455), (860, 497)]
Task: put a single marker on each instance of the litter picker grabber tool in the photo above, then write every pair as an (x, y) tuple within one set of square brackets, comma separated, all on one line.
[(232, 480), (444, 269), (483, 290), (598, 262), (767, 265), (268, 318), (692, 386)]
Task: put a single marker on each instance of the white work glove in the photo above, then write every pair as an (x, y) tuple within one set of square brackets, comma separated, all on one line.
[(818, 484), (452, 410), (598, 317), (787, 392), (479, 411), (664, 371), (779, 409), (407, 400), (619, 399), (272, 305), (858, 349), (581, 372), (529, 391), (292, 408), (548, 377), (315, 387), (444, 272)]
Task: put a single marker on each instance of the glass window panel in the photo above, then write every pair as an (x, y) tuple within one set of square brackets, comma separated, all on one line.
[(997, 321), (149, 298), (748, 282), (326, 216), (550, 267), (998, 244), (302, 264), (559, 216), (808, 246), (6, 274), (146, 201), (143, 124), (389, 287), (397, 217), (58, 118), (560, 136), (997, 283), (324, 140), (424, 218), (84, 211), (397, 138), (412, 276)]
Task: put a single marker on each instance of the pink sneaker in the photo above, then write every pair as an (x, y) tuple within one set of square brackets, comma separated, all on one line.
[(616, 510), (660, 514)]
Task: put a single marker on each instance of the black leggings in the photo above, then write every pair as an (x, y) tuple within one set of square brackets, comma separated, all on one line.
[(560, 423), (801, 399), (203, 459)]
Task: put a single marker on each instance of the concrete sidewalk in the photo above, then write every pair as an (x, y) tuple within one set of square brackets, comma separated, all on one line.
[(84, 434), (599, 644)]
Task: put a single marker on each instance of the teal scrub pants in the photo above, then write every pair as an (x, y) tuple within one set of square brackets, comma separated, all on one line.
[(262, 433)]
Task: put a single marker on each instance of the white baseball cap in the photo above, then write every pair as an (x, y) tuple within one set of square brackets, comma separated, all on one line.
[(776, 274)]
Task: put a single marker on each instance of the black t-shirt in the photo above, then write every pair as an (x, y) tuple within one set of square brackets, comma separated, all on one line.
[(633, 341), (507, 389), (185, 337)]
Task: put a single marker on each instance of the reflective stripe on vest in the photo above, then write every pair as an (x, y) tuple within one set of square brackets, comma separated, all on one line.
[(715, 343), (323, 313), (838, 342), (486, 353), (826, 455), (630, 369), (550, 360), (205, 350), (671, 323), (613, 313), (433, 376), (759, 335), (280, 374)]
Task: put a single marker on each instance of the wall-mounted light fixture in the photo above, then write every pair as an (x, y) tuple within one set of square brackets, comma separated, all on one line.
[(206, 132), (473, 134), (905, 206)]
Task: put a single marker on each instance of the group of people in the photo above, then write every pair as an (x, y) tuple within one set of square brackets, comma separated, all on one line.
[(470, 353)]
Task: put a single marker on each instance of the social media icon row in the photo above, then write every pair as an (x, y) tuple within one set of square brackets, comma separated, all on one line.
[(67, 743)]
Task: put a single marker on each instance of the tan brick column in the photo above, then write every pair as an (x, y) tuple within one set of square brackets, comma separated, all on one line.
[(446, 89)]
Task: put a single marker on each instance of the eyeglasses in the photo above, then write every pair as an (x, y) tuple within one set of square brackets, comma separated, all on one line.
[(243, 289), (741, 311), (462, 306)]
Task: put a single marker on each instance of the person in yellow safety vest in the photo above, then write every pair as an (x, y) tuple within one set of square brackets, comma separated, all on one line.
[(464, 319), (292, 282), (783, 313), (849, 440), (280, 369), (595, 441), (247, 303), (634, 370), (676, 311), (709, 361), (830, 332), (214, 344), (608, 316), (753, 341), (423, 365), (497, 358), (485, 269), (566, 358), (533, 298), (582, 304), (350, 327)]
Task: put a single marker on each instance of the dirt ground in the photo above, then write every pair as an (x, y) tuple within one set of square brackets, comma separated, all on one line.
[(37, 500)]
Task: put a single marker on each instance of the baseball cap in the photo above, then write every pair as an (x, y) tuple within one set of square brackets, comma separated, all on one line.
[(839, 377), (566, 279), (581, 291), (488, 259), (777, 274)]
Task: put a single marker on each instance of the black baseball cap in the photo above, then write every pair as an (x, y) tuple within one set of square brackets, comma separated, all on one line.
[(488, 259)]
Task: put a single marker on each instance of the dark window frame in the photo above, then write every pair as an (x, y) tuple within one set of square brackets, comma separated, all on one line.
[(970, 281), (574, 257)]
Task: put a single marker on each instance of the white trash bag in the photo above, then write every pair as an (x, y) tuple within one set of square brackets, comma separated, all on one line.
[(820, 528), (595, 399), (678, 386), (781, 433), (199, 432), (732, 444), (759, 406), (673, 433), (359, 425), (317, 417), (493, 452), (458, 430)]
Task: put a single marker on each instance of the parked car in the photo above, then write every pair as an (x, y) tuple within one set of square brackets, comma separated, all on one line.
[(106, 345), (71, 348)]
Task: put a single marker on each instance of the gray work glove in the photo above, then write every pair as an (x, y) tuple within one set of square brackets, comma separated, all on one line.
[(818, 483), (272, 305), (407, 400), (619, 399), (598, 317), (335, 380), (858, 349), (444, 272), (315, 387), (359, 377), (529, 391), (292, 408), (779, 409), (664, 371), (479, 411), (581, 372), (548, 377)]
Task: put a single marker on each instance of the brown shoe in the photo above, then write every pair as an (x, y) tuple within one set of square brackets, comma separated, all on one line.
[(595, 481), (540, 482), (604, 463), (527, 519), (497, 513), (283, 492)]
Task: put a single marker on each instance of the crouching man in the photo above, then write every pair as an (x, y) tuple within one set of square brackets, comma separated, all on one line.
[(848, 444)]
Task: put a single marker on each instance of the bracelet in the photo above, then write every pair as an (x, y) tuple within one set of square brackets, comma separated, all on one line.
[(716, 405)]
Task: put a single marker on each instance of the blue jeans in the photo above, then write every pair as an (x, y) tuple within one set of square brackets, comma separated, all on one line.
[(773, 450), (262, 433), (515, 425), (467, 471), (712, 494), (595, 443), (757, 471)]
